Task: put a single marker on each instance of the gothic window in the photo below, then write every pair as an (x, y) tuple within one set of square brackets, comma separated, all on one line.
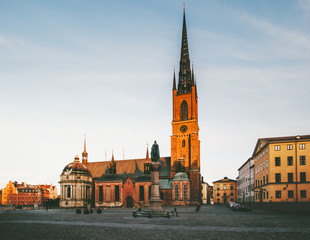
[(100, 193), (185, 192), (68, 192), (116, 193), (183, 143), (184, 111), (176, 192), (141, 193)]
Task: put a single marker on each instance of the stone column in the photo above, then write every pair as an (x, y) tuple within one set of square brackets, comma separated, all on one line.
[(155, 202)]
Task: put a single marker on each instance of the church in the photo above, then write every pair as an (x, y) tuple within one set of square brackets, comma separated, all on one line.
[(127, 183)]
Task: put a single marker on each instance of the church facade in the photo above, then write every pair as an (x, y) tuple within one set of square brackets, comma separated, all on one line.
[(127, 183)]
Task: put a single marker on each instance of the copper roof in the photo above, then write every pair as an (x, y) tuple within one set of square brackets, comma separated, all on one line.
[(77, 167), (97, 169)]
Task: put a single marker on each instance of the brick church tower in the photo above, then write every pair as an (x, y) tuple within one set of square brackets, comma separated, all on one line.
[(185, 143)]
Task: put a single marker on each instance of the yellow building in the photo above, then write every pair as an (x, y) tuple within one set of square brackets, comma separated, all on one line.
[(225, 190), (282, 169)]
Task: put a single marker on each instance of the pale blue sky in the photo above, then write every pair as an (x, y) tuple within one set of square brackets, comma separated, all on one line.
[(106, 67)]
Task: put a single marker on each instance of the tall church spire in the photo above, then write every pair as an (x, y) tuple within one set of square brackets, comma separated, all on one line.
[(84, 153), (185, 81), (174, 84)]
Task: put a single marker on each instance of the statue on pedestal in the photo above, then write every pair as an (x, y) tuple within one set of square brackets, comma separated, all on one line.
[(155, 152)]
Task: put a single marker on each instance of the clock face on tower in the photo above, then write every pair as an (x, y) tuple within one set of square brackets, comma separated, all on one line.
[(183, 128)]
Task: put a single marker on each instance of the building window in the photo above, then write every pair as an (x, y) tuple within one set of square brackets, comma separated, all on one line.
[(218, 187), (184, 111), (266, 178), (100, 194), (185, 192), (224, 187), (290, 177), (277, 147), (266, 150), (303, 193), (289, 146), (183, 143), (68, 192), (277, 161), (218, 194), (150, 191), (289, 161), (176, 193), (263, 165), (278, 194), (302, 160), (267, 195), (141, 193), (231, 194), (231, 187), (161, 195), (116, 193), (303, 177), (290, 194), (278, 177), (302, 146)]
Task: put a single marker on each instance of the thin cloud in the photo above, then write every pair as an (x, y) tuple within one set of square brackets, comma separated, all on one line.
[(292, 43), (304, 5)]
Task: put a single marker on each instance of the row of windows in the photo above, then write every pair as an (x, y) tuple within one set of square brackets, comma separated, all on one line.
[(289, 147), (261, 167), (108, 194), (218, 200), (290, 177), (225, 187), (261, 155), (262, 181), (302, 161), (231, 194), (290, 194), (28, 190)]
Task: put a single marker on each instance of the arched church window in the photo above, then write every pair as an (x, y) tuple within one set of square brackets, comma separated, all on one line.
[(176, 192), (183, 143), (100, 194), (116, 193), (185, 192), (141, 193), (184, 111), (68, 192)]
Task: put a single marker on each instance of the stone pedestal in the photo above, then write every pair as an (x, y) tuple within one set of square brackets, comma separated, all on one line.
[(155, 201)]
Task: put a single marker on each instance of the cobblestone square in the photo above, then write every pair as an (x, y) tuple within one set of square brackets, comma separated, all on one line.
[(211, 222)]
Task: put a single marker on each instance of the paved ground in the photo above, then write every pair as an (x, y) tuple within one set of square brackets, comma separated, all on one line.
[(211, 222)]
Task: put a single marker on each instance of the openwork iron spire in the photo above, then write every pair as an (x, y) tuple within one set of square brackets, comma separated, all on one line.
[(185, 76)]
